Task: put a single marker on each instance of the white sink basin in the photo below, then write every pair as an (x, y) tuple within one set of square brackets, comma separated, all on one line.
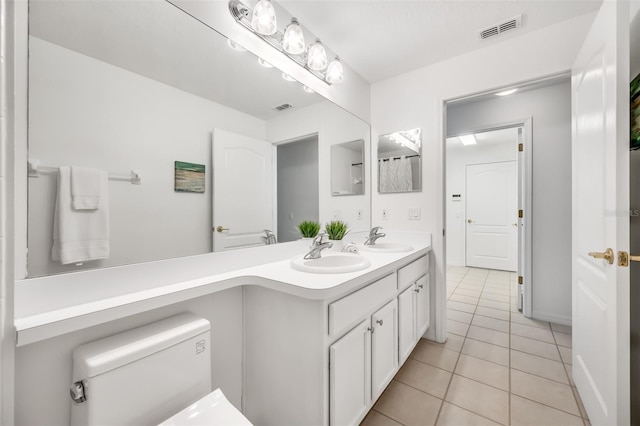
[(331, 263), (388, 247)]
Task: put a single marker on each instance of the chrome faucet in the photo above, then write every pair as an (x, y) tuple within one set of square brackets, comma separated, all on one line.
[(270, 237), (373, 236), (317, 246)]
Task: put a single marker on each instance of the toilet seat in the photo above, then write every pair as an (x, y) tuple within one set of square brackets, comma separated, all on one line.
[(213, 409)]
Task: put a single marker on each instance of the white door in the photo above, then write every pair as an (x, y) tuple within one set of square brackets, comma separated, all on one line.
[(384, 347), (406, 323), (242, 190), (350, 375), (492, 215), (600, 183)]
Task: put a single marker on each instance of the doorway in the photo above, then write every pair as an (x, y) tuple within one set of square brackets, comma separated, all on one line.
[(297, 185)]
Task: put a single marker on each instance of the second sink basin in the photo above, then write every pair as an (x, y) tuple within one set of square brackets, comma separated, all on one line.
[(388, 247), (331, 263)]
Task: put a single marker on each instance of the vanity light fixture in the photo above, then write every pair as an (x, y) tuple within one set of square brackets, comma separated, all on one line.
[(235, 46), (507, 92), (264, 63), (468, 140), (262, 22), (287, 77), (308, 90)]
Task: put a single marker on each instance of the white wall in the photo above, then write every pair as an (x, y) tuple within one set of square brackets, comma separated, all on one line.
[(122, 121), (415, 99), (550, 109), (458, 158), (333, 126)]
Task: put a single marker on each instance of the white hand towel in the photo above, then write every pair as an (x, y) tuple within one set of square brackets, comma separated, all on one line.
[(87, 187), (79, 235)]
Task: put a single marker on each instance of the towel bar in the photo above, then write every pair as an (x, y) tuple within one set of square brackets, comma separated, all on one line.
[(35, 168)]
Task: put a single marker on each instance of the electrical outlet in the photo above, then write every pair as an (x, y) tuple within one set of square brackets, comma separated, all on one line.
[(359, 214), (385, 214)]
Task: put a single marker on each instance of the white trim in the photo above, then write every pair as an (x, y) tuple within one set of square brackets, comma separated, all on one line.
[(558, 319)]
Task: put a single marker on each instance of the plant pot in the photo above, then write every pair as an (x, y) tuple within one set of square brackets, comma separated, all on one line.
[(338, 245)]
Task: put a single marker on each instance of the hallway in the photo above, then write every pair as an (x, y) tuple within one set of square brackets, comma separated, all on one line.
[(497, 367)]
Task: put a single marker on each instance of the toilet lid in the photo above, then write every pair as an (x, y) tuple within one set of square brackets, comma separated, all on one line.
[(213, 409)]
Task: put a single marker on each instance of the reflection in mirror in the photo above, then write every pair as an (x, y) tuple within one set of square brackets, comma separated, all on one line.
[(110, 88), (400, 162), (347, 168)]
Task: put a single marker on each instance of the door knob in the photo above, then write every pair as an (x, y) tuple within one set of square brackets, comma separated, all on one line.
[(221, 229), (607, 255), (469, 221)]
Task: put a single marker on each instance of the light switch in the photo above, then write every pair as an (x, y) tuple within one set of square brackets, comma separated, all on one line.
[(414, 213)]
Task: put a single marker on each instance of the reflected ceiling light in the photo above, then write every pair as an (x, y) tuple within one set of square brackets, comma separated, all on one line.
[(293, 38), (317, 56), (335, 72), (308, 90), (264, 63), (263, 20), (468, 140), (235, 46), (288, 77), (507, 92)]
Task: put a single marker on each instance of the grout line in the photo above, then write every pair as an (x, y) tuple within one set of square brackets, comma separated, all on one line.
[(384, 415)]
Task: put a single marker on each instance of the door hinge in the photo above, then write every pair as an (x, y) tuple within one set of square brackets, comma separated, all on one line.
[(520, 147), (521, 213), (520, 279)]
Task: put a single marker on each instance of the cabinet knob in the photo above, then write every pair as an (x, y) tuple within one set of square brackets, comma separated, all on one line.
[(379, 322), (421, 285), (417, 290), (370, 329)]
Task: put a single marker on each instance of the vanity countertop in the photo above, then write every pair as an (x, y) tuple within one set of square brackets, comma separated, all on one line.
[(46, 307)]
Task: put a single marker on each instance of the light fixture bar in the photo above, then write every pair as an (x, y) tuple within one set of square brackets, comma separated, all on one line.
[(243, 14), (468, 140)]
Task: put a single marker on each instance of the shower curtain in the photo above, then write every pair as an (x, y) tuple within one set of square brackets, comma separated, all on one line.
[(395, 175)]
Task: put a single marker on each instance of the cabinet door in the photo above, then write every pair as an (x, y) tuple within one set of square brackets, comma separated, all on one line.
[(384, 347), (406, 323), (350, 376), (422, 306)]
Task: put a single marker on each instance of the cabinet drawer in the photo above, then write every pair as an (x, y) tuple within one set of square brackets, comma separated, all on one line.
[(407, 275), (354, 307)]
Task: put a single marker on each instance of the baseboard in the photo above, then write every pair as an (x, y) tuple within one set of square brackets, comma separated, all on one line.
[(546, 316)]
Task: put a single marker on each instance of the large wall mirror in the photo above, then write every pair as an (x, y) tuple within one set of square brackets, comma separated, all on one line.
[(400, 162), (143, 86)]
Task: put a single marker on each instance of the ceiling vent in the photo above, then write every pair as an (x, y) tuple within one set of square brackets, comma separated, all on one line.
[(282, 107), (502, 27)]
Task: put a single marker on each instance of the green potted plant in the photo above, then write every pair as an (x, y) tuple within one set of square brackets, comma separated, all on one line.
[(308, 229), (336, 230)]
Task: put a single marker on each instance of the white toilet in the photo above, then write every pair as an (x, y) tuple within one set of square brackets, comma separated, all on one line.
[(156, 374)]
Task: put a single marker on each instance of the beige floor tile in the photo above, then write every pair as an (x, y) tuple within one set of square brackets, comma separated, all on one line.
[(483, 371), (426, 378), (532, 332), (569, 369), (376, 419), (457, 269), (478, 398), (539, 366), (525, 412), (454, 276), (498, 283), (493, 290), (407, 405), (561, 328), (486, 351), (469, 292), (521, 319), (460, 316), (477, 272), (453, 343), (492, 323), (544, 391), (535, 347), (493, 304), (435, 355), (459, 306), (563, 339), (566, 354), (457, 327), (495, 297), (492, 313), (464, 299), (451, 415), (471, 284), (488, 336)]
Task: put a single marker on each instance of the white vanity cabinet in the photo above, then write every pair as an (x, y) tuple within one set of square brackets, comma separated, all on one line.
[(413, 305)]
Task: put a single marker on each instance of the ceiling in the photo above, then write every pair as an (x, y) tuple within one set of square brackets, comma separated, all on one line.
[(384, 38), (493, 137)]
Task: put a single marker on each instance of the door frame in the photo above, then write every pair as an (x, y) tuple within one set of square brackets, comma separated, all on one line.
[(525, 172)]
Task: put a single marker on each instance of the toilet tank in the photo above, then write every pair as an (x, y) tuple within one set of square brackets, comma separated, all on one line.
[(144, 375)]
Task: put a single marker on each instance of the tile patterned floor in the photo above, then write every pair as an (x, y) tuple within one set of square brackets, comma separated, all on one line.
[(497, 367)]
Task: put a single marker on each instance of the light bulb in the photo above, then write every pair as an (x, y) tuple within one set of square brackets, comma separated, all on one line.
[(264, 63), (335, 72), (263, 20), (288, 77), (308, 90), (317, 56), (235, 46), (293, 39)]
